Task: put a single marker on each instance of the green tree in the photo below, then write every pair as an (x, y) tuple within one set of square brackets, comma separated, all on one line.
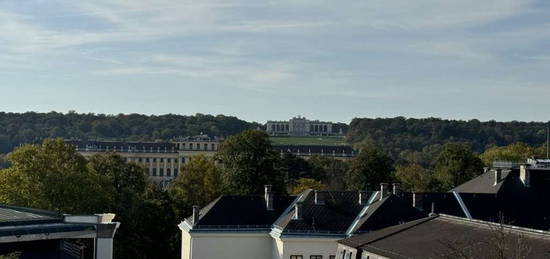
[(414, 177), (294, 167), (249, 163), (53, 176), (370, 168), (517, 152), (303, 184), (198, 184), (329, 171), (456, 164), (137, 202)]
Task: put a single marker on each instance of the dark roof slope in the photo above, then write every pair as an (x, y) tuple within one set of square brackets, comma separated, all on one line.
[(484, 183), (232, 211), (442, 236), (334, 215), (391, 210)]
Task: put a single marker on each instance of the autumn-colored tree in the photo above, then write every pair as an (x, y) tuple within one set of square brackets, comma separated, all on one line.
[(303, 184), (198, 184), (53, 176)]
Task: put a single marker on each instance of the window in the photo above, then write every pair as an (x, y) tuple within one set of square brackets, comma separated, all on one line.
[(154, 159), (176, 173), (161, 172), (190, 145), (168, 172), (213, 147), (296, 257), (332, 257), (205, 146), (140, 159), (161, 159), (154, 172), (147, 160), (168, 160), (315, 257)]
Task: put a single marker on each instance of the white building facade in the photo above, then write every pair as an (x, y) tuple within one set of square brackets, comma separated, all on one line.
[(300, 126)]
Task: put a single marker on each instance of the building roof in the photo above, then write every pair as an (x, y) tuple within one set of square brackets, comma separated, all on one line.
[(337, 150), (123, 146), (389, 211), (333, 215), (240, 212), (443, 236), (11, 215), (17, 221)]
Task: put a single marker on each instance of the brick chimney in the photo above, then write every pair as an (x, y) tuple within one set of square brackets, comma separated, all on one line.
[(196, 214), (268, 196)]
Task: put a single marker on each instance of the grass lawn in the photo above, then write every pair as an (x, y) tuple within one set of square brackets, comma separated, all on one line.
[(308, 140)]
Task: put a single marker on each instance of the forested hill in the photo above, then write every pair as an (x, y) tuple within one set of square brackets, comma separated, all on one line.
[(398, 134), (29, 127)]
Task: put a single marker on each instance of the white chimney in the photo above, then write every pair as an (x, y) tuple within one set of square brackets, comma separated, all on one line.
[(319, 198), (396, 188), (524, 175), (383, 190), (498, 176), (268, 196), (298, 210), (196, 214)]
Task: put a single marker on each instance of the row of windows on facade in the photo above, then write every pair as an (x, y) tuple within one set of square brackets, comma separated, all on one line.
[(197, 146), (183, 146), (311, 257), (312, 128), (153, 172), (160, 159)]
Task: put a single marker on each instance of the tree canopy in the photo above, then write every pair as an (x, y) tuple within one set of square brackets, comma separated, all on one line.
[(249, 163), (370, 168)]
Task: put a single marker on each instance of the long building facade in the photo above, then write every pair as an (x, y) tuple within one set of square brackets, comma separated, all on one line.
[(165, 159), (162, 159), (300, 126)]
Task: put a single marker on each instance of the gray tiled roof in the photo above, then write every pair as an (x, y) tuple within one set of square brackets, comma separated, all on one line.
[(432, 237)]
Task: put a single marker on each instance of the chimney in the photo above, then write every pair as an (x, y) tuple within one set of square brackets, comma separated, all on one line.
[(196, 214), (432, 213), (298, 210), (319, 198), (498, 176), (524, 175), (396, 188), (363, 197), (268, 197), (383, 190)]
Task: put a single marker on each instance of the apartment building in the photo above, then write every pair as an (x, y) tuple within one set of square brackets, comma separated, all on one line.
[(297, 227)]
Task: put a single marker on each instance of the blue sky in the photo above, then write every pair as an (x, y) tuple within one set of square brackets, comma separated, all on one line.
[(259, 60)]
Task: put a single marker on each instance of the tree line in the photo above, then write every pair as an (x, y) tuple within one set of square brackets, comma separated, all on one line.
[(399, 134), (32, 127)]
